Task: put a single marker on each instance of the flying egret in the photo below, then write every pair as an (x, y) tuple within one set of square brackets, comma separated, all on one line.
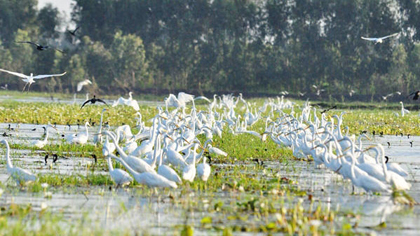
[(83, 83), (21, 176), (29, 79), (129, 102), (380, 40)]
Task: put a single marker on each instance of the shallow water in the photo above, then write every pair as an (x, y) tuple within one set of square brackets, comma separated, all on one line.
[(158, 214)]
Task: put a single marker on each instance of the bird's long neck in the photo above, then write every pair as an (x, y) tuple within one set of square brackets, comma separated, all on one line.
[(110, 167), (8, 161), (100, 123), (119, 149), (87, 130), (381, 148), (46, 136), (353, 163), (133, 172), (155, 156)]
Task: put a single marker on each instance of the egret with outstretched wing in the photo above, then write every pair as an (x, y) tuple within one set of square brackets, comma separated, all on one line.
[(29, 79), (380, 40)]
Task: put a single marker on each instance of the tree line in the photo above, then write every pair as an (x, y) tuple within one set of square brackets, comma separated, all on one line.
[(208, 46)]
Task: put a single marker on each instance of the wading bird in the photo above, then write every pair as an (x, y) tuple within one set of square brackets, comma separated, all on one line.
[(120, 177), (29, 79), (42, 143), (21, 176), (380, 40)]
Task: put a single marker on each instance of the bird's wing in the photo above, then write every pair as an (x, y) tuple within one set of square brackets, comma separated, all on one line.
[(85, 103), (28, 42), (413, 93), (79, 86), (202, 97), (370, 39), (15, 73), (46, 76), (391, 35), (82, 83), (100, 100), (185, 97), (74, 31)]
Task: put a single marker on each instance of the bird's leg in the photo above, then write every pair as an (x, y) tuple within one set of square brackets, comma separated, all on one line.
[(24, 87), (29, 86)]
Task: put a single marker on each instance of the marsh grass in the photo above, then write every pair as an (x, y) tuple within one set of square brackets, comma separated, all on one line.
[(260, 198)]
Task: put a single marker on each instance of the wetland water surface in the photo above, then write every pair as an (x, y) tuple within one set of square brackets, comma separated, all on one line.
[(229, 204)]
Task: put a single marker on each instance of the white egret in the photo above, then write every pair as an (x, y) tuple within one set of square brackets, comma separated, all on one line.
[(203, 170), (139, 165), (381, 39), (165, 170), (108, 147), (42, 143), (190, 171), (29, 79), (21, 176), (83, 83), (367, 182), (403, 110), (217, 151), (129, 102), (97, 138), (80, 138), (120, 177), (151, 179), (395, 167)]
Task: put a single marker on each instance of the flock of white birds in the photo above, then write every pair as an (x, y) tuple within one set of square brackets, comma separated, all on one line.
[(168, 152)]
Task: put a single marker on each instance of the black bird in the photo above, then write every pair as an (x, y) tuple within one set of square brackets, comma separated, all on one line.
[(389, 144), (55, 158), (333, 107), (34, 129), (386, 159), (258, 161), (93, 100), (95, 158), (408, 136), (40, 47), (411, 143), (415, 95), (74, 31)]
